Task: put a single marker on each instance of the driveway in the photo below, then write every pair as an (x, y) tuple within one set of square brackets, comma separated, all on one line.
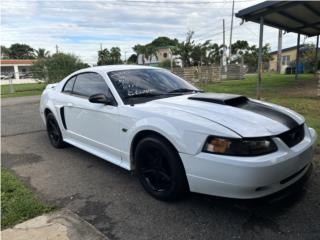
[(112, 200)]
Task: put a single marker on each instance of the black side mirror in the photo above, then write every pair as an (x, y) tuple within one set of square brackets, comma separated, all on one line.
[(100, 98)]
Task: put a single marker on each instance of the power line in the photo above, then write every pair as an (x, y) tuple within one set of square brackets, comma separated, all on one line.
[(143, 1)]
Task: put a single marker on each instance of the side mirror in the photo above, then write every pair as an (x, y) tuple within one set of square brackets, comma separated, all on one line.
[(100, 98)]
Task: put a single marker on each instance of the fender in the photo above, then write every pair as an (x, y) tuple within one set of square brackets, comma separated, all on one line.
[(188, 142), (46, 103)]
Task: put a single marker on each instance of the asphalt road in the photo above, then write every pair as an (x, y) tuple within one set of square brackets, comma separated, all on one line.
[(112, 200)]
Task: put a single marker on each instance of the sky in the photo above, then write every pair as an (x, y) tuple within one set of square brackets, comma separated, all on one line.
[(81, 27)]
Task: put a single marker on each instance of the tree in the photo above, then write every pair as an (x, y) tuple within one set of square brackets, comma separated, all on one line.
[(106, 57), (308, 57), (56, 67), (184, 49), (115, 54), (250, 53), (140, 50), (164, 42), (199, 54), (4, 52), (150, 51), (132, 59), (41, 53), (240, 47), (20, 51), (215, 52)]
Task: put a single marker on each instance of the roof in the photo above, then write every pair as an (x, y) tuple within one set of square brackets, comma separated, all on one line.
[(16, 61), (292, 16), (288, 49), (109, 68)]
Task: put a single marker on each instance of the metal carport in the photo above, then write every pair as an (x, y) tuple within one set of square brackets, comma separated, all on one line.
[(301, 17)]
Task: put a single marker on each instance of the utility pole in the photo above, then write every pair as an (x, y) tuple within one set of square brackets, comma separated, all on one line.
[(223, 57), (230, 48), (279, 51), (260, 63), (57, 49), (224, 34)]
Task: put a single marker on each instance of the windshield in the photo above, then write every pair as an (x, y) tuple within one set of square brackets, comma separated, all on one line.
[(148, 83)]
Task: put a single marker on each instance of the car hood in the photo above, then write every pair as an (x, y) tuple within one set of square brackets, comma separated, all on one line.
[(246, 117)]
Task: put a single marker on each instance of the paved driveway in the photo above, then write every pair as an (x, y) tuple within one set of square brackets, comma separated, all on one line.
[(113, 201)]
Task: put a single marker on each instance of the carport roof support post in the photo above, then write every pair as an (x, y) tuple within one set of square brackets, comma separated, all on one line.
[(298, 56), (316, 57), (260, 58)]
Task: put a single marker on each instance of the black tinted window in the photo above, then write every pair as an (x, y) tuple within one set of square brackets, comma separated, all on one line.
[(137, 81), (69, 85), (88, 84)]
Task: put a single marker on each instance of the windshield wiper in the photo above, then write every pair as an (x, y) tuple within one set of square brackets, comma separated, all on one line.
[(184, 90), (144, 94)]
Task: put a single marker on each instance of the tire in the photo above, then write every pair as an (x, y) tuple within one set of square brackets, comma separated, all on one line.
[(160, 170), (54, 133)]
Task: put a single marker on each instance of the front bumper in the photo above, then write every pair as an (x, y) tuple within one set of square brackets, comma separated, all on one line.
[(250, 177)]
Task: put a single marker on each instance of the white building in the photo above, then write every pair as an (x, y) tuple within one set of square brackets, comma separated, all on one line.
[(17, 69), (162, 54)]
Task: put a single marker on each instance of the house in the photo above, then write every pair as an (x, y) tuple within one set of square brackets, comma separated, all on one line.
[(162, 54), (288, 55), (15, 68)]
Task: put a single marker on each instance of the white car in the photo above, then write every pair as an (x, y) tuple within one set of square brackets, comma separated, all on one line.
[(176, 137)]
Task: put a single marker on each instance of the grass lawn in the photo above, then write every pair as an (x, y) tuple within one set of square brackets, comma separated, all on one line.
[(18, 203), (300, 96), (26, 89)]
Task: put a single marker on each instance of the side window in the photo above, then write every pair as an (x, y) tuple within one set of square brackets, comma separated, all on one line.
[(69, 85), (88, 84)]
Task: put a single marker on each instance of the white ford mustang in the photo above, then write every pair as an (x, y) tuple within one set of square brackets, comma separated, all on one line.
[(176, 137)]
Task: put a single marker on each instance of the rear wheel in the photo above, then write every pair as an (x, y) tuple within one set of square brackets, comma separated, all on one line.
[(160, 169), (54, 132)]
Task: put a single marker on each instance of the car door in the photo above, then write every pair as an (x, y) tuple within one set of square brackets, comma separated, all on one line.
[(94, 125)]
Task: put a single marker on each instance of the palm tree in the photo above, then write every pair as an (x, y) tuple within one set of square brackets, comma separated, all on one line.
[(184, 49), (150, 52), (104, 57), (140, 50), (214, 53), (115, 54), (41, 53)]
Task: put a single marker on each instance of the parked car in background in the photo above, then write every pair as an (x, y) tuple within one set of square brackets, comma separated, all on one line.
[(176, 137)]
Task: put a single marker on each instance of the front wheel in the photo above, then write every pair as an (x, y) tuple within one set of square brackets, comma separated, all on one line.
[(54, 132), (160, 170)]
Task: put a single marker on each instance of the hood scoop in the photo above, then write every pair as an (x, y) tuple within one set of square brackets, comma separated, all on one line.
[(220, 98)]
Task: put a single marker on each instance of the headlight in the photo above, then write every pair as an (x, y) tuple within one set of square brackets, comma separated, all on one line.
[(240, 147)]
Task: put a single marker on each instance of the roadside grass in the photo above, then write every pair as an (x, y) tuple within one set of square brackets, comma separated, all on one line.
[(300, 96), (25, 89), (18, 203)]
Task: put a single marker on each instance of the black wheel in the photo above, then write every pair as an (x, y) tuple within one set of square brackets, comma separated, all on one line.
[(54, 132), (160, 169)]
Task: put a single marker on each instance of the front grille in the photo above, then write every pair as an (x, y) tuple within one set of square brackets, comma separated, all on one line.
[(293, 136)]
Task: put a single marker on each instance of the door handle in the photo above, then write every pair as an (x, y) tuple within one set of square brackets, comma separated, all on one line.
[(69, 104)]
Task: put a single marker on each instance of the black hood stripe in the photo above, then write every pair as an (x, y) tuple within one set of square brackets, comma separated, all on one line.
[(242, 102), (270, 113)]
